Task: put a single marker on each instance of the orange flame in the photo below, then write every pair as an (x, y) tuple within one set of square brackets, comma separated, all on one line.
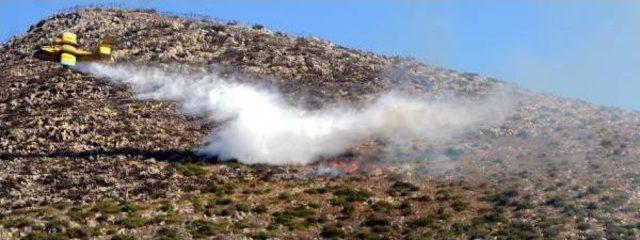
[(345, 166)]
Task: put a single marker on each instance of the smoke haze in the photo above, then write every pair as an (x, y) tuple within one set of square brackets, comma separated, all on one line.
[(260, 127)]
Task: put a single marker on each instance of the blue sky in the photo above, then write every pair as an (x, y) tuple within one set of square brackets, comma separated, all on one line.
[(579, 49)]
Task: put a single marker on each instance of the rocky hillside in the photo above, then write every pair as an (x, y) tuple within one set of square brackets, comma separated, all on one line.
[(82, 159)]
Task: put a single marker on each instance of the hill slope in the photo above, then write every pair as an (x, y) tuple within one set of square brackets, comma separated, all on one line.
[(78, 151)]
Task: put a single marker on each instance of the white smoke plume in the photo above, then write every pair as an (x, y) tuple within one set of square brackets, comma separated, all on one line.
[(260, 127)]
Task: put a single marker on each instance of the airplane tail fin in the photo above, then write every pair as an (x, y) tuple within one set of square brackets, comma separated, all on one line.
[(67, 59), (106, 46)]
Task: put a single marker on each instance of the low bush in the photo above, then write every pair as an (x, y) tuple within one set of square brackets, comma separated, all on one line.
[(332, 232), (191, 169), (107, 206), (403, 188), (204, 228), (382, 206), (220, 189), (346, 194), (133, 222), (16, 223), (460, 205)]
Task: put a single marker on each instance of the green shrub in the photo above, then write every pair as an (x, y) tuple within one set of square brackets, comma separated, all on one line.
[(204, 228), (168, 218), (347, 210), (111, 231), (442, 213), (503, 198), (593, 189), (262, 235), (382, 206), (167, 206), (260, 208), (299, 211), (616, 200), (79, 214), (167, 234), (606, 143), (243, 207), (423, 198), (56, 226), (296, 225), (225, 211), (459, 205), (332, 232), (123, 237), (346, 194), (284, 196), (79, 232), (107, 206), (443, 195), (243, 224), (220, 189), (377, 224), (222, 201), (131, 207), (196, 204), (403, 188), (423, 221), (366, 234), (38, 235), (61, 205), (583, 226), (518, 230), (16, 223), (290, 217), (320, 190), (133, 222), (616, 230), (556, 201), (314, 219), (191, 169), (376, 221), (405, 208)]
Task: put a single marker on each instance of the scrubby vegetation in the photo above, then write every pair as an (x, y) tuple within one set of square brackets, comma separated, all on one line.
[(82, 159), (428, 209)]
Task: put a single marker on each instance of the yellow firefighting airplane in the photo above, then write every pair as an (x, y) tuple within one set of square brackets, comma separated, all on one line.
[(65, 51)]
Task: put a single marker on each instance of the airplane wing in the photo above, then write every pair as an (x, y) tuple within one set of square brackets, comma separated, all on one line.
[(102, 53), (50, 49), (106, 45)]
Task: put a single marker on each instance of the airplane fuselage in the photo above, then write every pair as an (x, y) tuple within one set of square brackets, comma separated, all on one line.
[(65, 51)]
